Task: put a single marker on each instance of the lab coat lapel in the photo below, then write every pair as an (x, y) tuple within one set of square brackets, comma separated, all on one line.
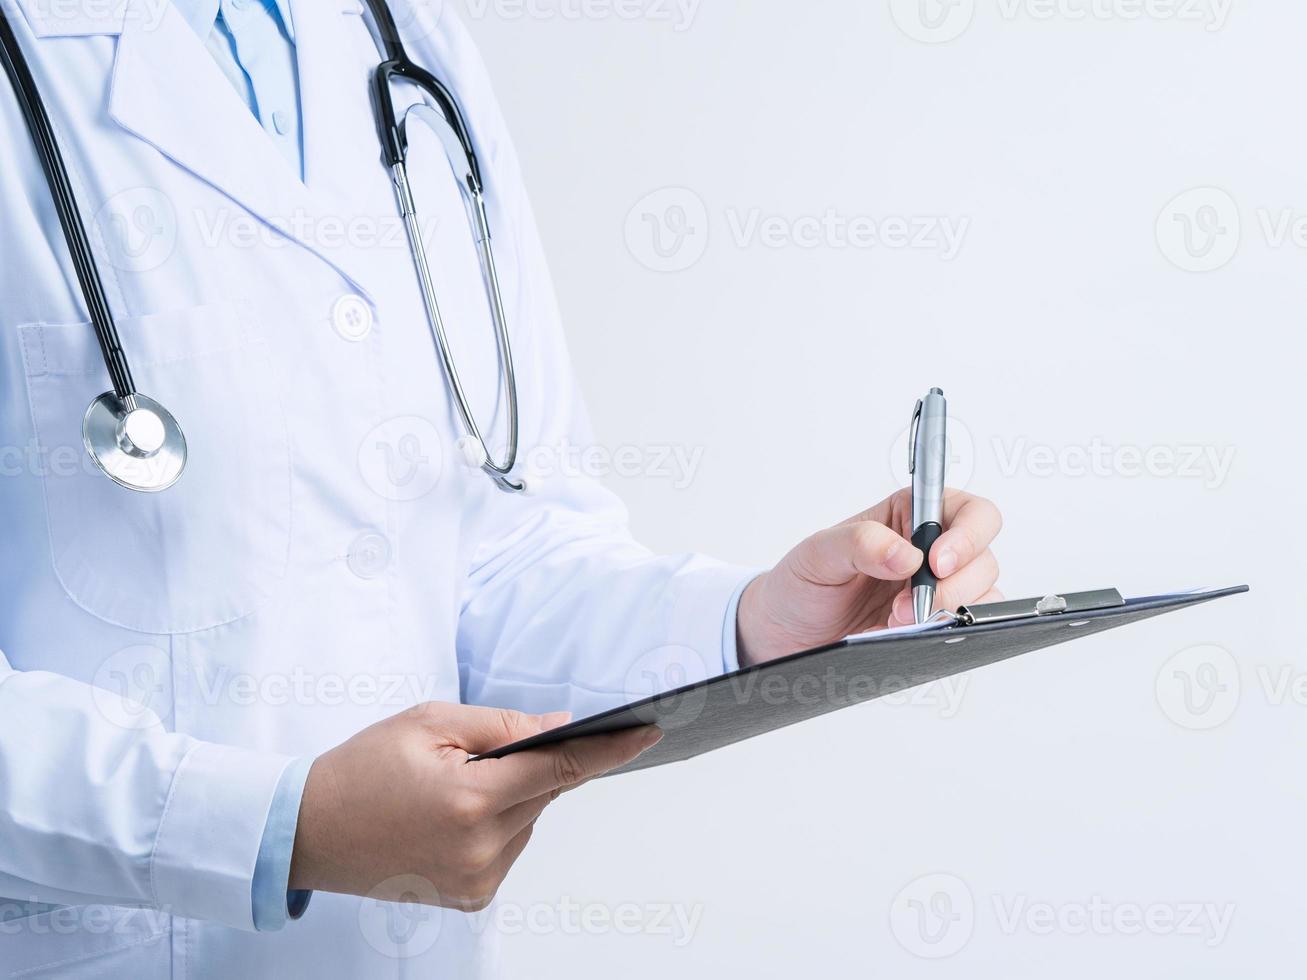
[(338, 124), (168, 90)]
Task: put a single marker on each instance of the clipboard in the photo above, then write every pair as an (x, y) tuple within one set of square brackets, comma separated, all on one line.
[(713, 713)]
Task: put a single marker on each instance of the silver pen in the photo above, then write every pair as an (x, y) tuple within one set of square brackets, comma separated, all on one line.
[(928, 454)]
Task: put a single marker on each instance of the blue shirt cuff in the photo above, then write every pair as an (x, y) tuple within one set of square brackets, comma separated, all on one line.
[(274, 903), (730, 630)]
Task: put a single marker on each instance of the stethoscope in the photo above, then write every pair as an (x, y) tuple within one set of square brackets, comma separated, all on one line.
[(135, 440)]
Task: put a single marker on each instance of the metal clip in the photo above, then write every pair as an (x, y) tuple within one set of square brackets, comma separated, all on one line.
[(912, 437), (1049, 605)]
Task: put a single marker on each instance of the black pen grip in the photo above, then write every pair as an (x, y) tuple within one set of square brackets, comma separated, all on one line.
[(924, 538)]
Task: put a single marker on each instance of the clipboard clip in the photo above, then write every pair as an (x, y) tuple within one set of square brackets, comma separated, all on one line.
[(1049, 605)]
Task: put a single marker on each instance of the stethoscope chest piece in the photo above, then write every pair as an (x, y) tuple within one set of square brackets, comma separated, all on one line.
[(135, 442)]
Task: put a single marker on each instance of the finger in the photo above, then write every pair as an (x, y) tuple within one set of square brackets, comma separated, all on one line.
[(968, 585), (494, 876), (840, 554), (902, 613), (474, 729), (523, 814), (526, 775), (972, 524)]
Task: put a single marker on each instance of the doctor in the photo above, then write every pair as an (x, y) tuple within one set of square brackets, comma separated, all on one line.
[(263, 683)]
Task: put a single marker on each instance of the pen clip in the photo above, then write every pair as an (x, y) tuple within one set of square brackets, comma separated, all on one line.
[(912, 437)]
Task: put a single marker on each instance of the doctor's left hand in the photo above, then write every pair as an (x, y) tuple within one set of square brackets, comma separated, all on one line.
[(853, 578)]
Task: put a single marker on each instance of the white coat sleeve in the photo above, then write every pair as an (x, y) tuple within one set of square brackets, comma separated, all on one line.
[(562, 609), (99, 804)]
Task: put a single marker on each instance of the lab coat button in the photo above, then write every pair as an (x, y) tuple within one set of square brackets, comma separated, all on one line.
[(352, 317), (369, 555)]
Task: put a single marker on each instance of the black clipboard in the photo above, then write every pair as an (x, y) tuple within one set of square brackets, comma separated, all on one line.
[(720, 711)]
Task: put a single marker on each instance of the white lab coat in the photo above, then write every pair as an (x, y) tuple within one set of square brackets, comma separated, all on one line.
[(327, 559)]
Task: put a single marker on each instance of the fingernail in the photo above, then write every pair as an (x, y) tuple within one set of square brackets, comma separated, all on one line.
[(555, 719), (903, 609), (902, 558), (946, 562), (651, 738)]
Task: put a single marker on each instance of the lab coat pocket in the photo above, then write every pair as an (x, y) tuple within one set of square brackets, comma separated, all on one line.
[(81, 942), (210, 549)]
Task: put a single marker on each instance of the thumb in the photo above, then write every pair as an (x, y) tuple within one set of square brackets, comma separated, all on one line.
[(475, 729)]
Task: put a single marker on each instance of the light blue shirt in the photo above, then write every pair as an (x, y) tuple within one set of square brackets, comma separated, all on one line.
[(253, 42)]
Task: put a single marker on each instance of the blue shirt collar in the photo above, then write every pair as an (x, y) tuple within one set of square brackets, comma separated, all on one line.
[(203, 14)]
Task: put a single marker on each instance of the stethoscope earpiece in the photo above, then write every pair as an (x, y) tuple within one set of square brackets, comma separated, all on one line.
[(136, 442)]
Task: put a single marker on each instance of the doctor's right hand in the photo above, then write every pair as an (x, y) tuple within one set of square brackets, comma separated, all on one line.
[(402, 798)]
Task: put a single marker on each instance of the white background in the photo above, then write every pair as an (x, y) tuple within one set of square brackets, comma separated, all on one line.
[(1076, 314)]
